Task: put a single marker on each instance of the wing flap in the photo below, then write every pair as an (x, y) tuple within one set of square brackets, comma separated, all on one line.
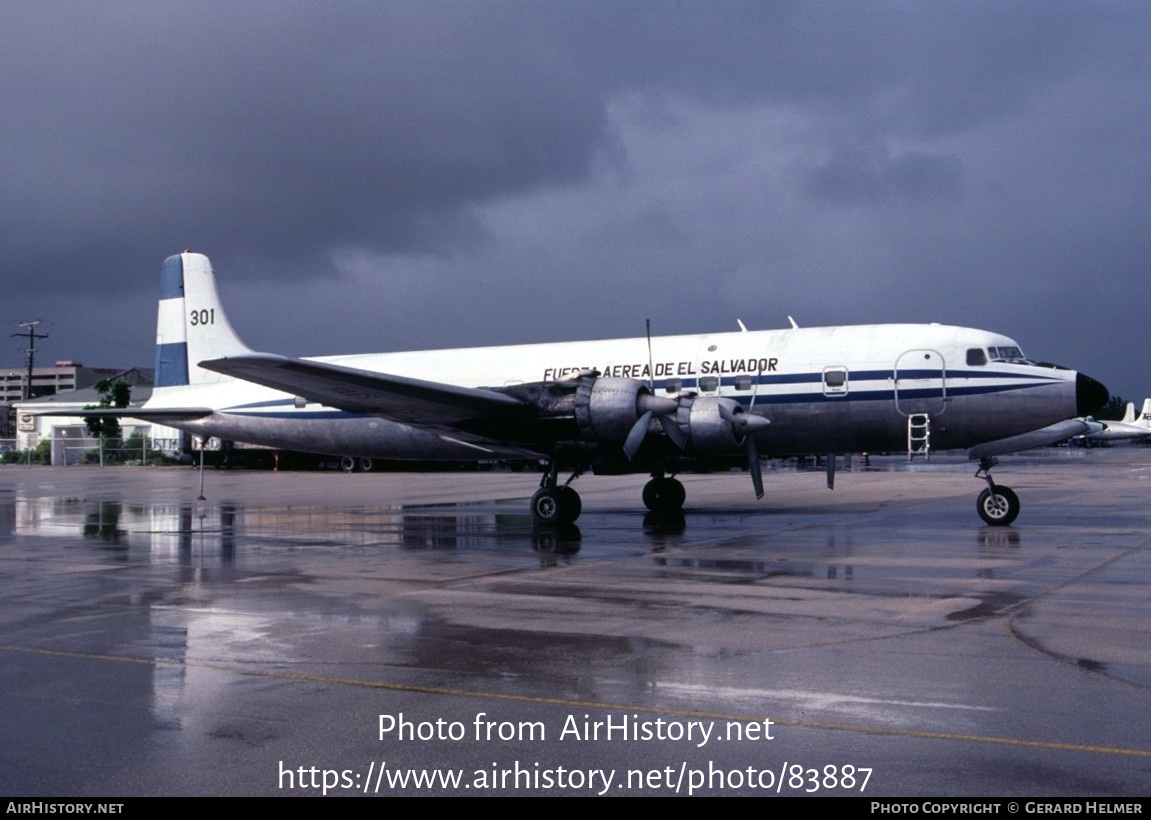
[(398, 398)]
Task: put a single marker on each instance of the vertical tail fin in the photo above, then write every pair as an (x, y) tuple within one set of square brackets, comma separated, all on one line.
[(1145, 417), (191, 325)]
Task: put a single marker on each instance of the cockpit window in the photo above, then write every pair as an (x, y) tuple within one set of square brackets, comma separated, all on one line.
[(976, 357), (1006, 354)]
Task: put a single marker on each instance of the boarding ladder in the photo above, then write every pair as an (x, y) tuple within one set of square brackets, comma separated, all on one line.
[(918, 436)]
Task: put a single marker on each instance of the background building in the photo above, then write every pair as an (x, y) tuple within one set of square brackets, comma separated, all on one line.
[(70, 386)]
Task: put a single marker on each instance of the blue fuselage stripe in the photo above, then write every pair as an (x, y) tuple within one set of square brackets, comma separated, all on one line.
[(284, 408)]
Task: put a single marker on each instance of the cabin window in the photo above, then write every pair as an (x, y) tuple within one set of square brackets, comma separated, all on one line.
[(673, 386), (743, 383), (834, 381), (976, 357), (709, 384)]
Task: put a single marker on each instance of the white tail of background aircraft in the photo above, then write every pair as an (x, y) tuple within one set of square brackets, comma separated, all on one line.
[(1129, 427)]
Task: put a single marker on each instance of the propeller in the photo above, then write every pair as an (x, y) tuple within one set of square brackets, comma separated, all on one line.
[(649, 406), (745, 426)]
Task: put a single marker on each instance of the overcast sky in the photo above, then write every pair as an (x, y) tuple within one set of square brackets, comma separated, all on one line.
[(397, 175)]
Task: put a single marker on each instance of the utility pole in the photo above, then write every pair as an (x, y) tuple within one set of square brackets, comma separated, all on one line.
[(31, 351)]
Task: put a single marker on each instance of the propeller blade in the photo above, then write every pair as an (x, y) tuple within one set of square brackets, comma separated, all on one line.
[(636, 436), (674, 431), (754, 467)]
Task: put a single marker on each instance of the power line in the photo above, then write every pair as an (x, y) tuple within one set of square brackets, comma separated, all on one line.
[(31, 351)]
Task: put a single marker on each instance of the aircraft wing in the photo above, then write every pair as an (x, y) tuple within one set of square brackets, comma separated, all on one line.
[(1025, 441), (1116, 430), (397, 398)]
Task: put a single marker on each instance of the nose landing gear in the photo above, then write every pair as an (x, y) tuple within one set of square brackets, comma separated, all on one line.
[(998, 505)]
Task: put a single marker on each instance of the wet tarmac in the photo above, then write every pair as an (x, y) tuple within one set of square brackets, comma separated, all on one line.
[(303, 633)]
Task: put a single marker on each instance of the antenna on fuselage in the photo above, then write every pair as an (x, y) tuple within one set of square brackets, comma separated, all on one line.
[(794, 326), (650, 358), (653, 407)]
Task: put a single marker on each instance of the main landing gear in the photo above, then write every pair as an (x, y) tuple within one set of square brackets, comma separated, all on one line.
[(352, 465), (997, 505), (554, 505), (663, 494)]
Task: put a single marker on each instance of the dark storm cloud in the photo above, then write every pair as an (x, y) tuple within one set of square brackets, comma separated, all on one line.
[(274, 129), (283, 130), (855, 176)]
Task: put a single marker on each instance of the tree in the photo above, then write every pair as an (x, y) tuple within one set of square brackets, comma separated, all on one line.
[(112, 394)]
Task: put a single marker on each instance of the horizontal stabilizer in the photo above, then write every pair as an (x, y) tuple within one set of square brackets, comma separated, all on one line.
[(1025, 441), (157, 414), (398, 398)]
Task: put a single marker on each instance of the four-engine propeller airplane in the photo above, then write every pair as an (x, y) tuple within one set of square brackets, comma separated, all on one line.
[(659, 405)]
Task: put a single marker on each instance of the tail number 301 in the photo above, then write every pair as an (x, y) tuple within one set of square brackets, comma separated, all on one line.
[(206, 316)]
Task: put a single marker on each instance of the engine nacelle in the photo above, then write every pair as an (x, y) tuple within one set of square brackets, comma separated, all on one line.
[(713, 425), (606, 407)]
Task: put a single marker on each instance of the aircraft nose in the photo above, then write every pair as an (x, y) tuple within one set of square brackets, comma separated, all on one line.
[(1090, 395)]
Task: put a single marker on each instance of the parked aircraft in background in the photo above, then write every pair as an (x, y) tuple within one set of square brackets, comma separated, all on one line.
[(658, 405), (1129, 427)]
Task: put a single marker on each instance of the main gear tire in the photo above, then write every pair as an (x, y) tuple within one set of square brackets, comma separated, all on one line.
[(555, 506), (664, 495)]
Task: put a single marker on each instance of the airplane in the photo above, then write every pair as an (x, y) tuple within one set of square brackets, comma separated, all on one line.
[(1127, 428), (659, 405)]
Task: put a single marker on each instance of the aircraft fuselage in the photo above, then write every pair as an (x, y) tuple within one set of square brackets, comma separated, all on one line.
[(837, 389)]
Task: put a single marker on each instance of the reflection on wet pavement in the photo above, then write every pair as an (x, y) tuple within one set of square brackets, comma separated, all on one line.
[(880, 606)]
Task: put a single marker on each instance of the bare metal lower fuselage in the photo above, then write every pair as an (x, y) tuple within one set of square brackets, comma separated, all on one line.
[(872, 414)]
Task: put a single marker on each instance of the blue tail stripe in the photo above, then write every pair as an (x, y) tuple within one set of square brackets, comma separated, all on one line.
[(172, 278), (172, 364)]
